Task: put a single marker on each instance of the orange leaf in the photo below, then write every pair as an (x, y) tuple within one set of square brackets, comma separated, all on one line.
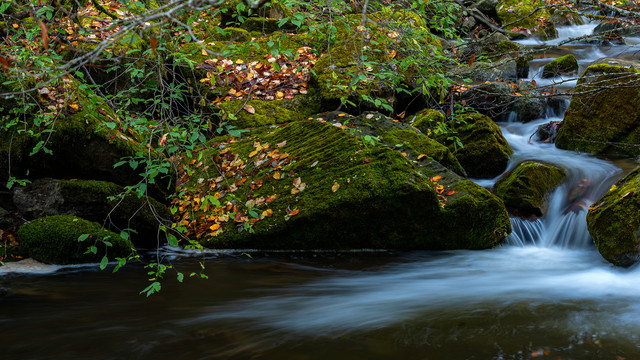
[(335, 187), (450, 192), (436, 178), (267, 213), (405, 154), (422, 156), (214, 227), (439, 189), (153, 42), (293, 212)]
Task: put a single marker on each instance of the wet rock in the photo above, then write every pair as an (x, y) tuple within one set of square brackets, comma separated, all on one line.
[(614, 222), (356, 192), (518, 15), (604, 113), (548, 132), (90, 199), (564, 65), (498, 99), (54, 240), (484, 152), (526, 188)]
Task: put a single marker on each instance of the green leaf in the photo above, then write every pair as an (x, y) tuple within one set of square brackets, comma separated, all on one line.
[(124, 235), (173, 241), (83, 237), (180, 276), (104, 262)]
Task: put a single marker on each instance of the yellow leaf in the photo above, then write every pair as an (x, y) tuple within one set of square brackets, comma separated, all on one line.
[(253, 153), (392, 54), (15, 26), (279, 95), (422, 156), (204, 52), (75, 107), (439, 189), (214, 227), (277, 175), (613, 187), (294, 191), (239, 62)]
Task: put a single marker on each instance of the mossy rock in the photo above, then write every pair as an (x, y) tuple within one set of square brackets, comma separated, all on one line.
[(564, 65), (498, 99), (270, 112), (54, 240), (485, 153), (95, 201), (614, 222), (516, 14), (356, 194), (604, 112), (525, 189), (81, 144)]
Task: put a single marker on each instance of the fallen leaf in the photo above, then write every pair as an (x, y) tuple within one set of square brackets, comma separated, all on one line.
[(297, 182), (422, 156), (630, 193), (153, 42), (436, 178), (472, 59), (276, 175), (250, 109), (439, 189), (5, 64), (450, 192), (214, 227), (335, 187), (281, 144)]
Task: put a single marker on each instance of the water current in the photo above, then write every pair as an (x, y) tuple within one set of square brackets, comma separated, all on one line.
[(547, 293)]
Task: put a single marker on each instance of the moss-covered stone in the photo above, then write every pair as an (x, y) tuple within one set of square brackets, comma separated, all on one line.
[(517, 14), (614, 222), (485, 153), (54, 240), (270, 112), (98, 201), (377, 189), (564, 65), (80, 143), (604, 113), (524, 190), (498, 100)]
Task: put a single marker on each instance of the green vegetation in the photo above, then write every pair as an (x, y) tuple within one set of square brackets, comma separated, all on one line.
[(564, 65)]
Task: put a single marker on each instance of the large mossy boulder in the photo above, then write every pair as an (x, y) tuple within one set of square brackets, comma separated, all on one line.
[(564, 65), (604, 114), (256, 113), (84, 139), (516, 15), (485, 152), (54, 240), (325, 188), (99, 201), (525, 189), (498, 100), (614, 222)]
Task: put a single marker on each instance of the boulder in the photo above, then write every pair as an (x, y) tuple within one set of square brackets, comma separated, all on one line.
[(95, 201), (614, 222), (54, 240), (604, 113), (485, 152), (255, 113), (525, 189), (312, 184), (564, 65), (519, 15), (498, 99)]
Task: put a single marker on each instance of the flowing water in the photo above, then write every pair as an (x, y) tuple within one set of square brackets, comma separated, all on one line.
[(545, 294)]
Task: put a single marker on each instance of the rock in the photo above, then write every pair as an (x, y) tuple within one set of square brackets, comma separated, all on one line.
[(89, 199), (270, 112), (340, 191), (495, 57), (564, 65), (80, 144), (54, 240), (498, 99), (614, 222), (485, 153), (548, 132), (525, 189), (519, 14), (621, 28), (604, 113)]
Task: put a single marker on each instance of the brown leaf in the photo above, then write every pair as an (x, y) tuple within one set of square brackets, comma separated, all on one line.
[(297, 182), (281, 144), (250, 109), (44, 33), (5, 64), (472, 59), (153, 42)]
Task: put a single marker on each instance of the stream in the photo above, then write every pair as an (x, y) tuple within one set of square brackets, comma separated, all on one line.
[(545, 294)]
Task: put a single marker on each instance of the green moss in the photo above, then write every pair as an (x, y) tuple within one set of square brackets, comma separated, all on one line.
[(427, 120), (485, 153), (614, 222), (564, 65), (378, 189), (520, 14), (525, 188), (271, 112), (603, 115), (54, 240)]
